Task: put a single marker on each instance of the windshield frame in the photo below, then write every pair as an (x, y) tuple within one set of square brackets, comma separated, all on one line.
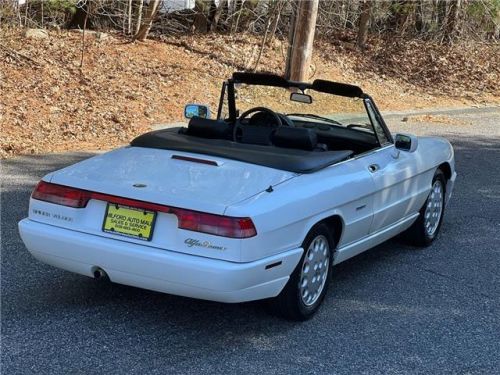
[(228, 88)]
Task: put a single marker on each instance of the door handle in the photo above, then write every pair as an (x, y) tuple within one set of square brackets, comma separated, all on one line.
[(373, 168)]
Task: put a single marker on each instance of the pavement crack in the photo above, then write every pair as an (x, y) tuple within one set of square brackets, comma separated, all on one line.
[(438, 273)]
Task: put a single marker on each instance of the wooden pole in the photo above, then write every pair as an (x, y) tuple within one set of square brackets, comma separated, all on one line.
[(302, 43)]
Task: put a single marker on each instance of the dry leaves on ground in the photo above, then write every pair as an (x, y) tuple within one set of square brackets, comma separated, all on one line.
[(49, 104)]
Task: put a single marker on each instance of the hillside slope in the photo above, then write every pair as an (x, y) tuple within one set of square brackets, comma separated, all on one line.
[(49, 104)]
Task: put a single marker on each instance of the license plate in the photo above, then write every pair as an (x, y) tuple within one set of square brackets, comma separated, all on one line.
[(129, 221)]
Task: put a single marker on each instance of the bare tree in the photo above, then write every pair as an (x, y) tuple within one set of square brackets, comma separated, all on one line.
[(302, 40), (399, 12), (276, 12), (263, 44), (238, 9), (442, 20), (151, 11)]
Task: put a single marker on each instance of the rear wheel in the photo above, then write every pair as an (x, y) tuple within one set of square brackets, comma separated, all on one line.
[(307, 286), (426, 228)]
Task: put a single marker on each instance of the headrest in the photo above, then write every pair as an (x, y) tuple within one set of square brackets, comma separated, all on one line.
[(207, 128), (300, 138)]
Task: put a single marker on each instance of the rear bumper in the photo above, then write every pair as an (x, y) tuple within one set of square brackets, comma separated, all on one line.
[(159, 270)]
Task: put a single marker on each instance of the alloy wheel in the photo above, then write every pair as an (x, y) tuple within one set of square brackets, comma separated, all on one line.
[(434, 208), (314, 270)]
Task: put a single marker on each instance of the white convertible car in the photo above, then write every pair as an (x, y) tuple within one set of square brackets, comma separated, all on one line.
[(257, 203)]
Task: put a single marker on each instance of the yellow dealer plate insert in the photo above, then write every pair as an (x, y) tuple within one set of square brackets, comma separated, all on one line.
[(129, 221)]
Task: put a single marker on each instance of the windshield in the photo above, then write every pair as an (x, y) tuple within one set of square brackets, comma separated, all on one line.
[(331, 110)]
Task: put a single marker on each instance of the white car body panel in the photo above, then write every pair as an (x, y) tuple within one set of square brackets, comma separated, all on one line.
[(372, 207), (169, 181), (337, 190), (151, 268)]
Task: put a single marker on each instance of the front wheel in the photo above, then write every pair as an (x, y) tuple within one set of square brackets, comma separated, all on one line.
[(426, 228), (307, 286)]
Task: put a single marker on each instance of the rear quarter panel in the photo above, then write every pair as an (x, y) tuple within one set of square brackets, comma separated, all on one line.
[(284, 216)]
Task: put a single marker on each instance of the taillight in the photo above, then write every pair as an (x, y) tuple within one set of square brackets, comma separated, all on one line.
[(225, 226), (62, 195)]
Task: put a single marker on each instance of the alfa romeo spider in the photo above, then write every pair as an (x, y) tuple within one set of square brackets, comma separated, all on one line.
[(257, 201)]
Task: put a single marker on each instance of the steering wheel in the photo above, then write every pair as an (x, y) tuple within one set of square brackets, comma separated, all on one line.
[(239, 126)]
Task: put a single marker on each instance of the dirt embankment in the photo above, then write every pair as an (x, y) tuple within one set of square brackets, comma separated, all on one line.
[(47, 103)]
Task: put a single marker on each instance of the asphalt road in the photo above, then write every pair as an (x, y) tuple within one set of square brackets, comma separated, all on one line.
[(394, 309)]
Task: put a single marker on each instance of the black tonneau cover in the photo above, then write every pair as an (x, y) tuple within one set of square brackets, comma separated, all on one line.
[(292, 160)]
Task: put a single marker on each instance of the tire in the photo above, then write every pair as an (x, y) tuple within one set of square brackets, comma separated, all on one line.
[(318, 248), (424, 230)]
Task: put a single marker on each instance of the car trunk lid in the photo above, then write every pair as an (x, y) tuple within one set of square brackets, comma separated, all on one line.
[(179, 179), (170, 178)]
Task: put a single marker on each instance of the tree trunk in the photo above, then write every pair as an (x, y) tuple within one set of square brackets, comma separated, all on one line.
[(419, 23), (81, 19), (303, 38), (433, 19), (274, 25), (200, 24), (143, 32), (441, 13), (264, 38), (398, 15), (238, 8), (83, 40), (26, 13), (138, 21), (364, 20), (291, 33), (129, 17), (216, 15), (407, 9), (392, 16), (453, 18)]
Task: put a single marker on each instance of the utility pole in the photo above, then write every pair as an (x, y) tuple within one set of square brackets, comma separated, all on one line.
[(301, 40)]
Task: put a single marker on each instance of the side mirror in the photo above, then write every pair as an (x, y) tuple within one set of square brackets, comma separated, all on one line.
[(196, 110), (301, 98), (406, 142)]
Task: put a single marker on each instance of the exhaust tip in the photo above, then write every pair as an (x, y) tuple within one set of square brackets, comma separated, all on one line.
[(100, 274)]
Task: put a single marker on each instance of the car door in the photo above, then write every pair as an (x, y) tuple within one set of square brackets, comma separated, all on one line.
[(393, 174)]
